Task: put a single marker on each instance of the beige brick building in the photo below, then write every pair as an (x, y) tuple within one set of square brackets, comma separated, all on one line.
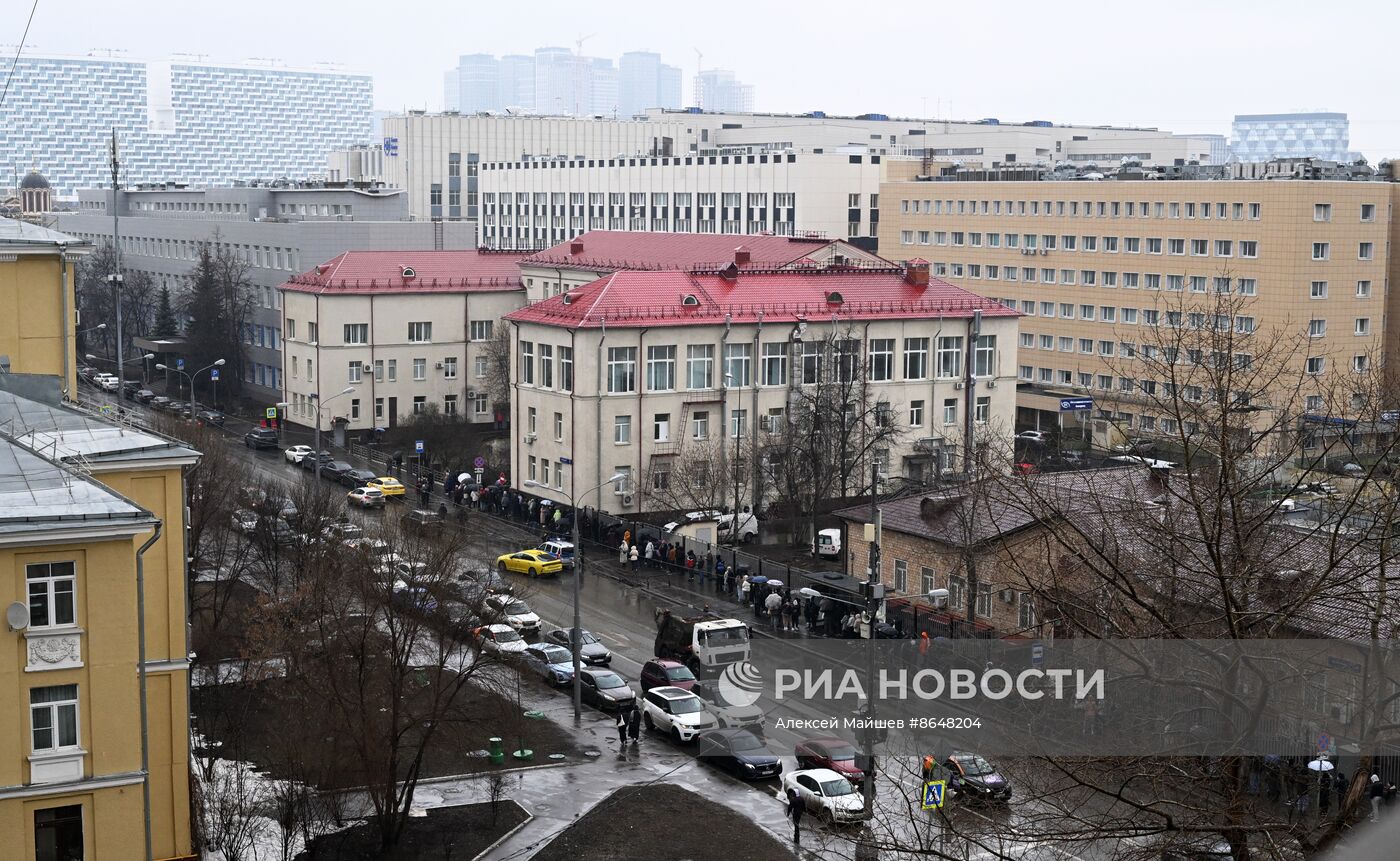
[(1095, 266)]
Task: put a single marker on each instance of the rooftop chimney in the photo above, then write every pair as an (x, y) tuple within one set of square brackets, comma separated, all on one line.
[(742, 256), (916, 272), (576, 246)]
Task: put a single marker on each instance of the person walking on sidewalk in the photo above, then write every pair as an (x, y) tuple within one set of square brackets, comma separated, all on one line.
[(796, 807), (744, 590), (634, 723), (633, 555), (651, 553), (621, 727), (622, 552), (1377, 792), (773, 605)]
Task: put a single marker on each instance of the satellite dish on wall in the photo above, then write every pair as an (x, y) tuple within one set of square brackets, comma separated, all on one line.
[(17, 616)]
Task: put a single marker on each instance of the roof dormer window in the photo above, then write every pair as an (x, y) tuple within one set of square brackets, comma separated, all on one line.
[(409, 273), (690, 301)]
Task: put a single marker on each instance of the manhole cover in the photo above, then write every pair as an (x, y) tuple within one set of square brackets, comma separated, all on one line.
[(534, 713), (479, 753), (557, 756), (593, 753)]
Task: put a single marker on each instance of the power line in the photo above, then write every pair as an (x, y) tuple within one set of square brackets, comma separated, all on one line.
[(18, 50)]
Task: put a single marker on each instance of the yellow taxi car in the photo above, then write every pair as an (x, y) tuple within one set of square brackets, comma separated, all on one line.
[(388, 486), (536, 563)]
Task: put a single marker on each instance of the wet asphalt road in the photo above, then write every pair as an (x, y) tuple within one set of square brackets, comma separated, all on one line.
[(618, 605)]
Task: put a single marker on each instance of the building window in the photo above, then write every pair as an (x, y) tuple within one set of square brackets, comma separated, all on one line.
[(622, 370), (1322, 212), (811, 362), (354, 409), (916, 414), (1315, 365), (546, 366), (738, 420), (1026, 618), (985, 356), (622, 430), (1368, 212), (984, 600), (357, 333), (775, 363), (661, 427), (420, 333), (1317, 328), (1366, 251), (527, 363), (738, 365), (558, 427), (661, 368), (393, 373), (566, 369), (950, 357), (449, 367), (983, 409), (881, 359), (352, 372), (950, 411), (420, 369), (51, 594), (1363, 325), (58, 833), (53, 718), (957, 593), (1318, 290), (901, 575), (481, 330), (1321, 251), (700, 366), (420, 404), (916, 358)]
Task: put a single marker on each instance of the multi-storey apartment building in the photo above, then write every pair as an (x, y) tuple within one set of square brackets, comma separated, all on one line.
[(404, 330), (194, 122), (37, 308), (628, 373), (1096, 267), (531, 204), (435, 156), (276, 230)]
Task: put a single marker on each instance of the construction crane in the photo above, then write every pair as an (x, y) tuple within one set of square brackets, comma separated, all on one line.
[(578, 43), (699, 70)]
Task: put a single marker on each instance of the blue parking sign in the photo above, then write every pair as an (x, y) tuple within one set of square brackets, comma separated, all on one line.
[(214, 375), (418, 446)]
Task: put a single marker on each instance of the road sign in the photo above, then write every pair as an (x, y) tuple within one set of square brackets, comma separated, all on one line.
[(567, 461), (1069, 405), (214, 375), (180, 364), (479, 463), (418, 446), (1324, 743), (1037, 653), (270, 412), (932, 796)]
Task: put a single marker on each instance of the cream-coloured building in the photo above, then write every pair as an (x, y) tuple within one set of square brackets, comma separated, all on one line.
[(38, 312), (628, 373), (531, 204), (404, 330), (1095, 266)]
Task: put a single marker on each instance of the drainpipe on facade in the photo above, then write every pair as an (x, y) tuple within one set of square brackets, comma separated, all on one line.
[(598, 400), (141, 676), (641, 437), (753, 427), (724, 402), (67, 314)]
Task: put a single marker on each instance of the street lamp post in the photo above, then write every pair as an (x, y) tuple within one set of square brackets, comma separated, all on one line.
[(189, 377), (316, 442), (576, 636)]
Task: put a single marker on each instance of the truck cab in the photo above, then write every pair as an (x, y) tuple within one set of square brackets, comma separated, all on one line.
[(706, 644)]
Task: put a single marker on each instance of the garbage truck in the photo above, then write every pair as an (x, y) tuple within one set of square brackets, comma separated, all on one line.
[(705, 643)]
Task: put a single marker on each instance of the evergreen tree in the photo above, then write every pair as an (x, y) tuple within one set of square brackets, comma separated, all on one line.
[(219, 303), (165, 324)]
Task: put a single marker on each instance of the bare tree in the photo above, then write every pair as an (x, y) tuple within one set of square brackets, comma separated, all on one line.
[(497, 352), (703, 475), (835, 426)]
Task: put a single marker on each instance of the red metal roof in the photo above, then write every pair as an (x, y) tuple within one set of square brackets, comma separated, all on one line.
[(611, 250), (636, 299), (433, 272)]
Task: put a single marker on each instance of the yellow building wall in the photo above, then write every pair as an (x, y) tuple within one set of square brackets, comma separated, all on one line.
[(160, 491), (32, 323), (112, 825)]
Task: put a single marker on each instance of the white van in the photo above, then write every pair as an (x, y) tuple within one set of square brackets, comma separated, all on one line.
[(748, 528), (829, 543)]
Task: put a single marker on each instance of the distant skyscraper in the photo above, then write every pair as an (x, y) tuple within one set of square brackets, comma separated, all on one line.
[(477, 83), (559, 86), (199, 123), (451, 90), (668, 87), (517, 82), (1261, 137), (718, 90), (603, 86)]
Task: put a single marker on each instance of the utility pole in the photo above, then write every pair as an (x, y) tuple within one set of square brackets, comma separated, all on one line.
[(874, 592), (115, 277)]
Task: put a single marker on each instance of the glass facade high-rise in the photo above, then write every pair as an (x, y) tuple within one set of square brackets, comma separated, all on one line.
[(717, 90), (646, 82), (176, 121), (1262, 137), (558, 81)]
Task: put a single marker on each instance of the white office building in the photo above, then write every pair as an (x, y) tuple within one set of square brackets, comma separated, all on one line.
[(718, 90), (1266, 137), (646, 82)]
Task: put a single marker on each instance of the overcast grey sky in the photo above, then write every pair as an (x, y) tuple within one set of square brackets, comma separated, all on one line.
[(1183, 66)]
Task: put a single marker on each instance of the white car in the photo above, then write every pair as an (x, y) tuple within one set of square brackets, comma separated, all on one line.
[(1149, 462), (516, 613), (730, 714), (501, 639), (676, 712), (297, 453), (1032, 436), (108, 382), (826, 794)]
